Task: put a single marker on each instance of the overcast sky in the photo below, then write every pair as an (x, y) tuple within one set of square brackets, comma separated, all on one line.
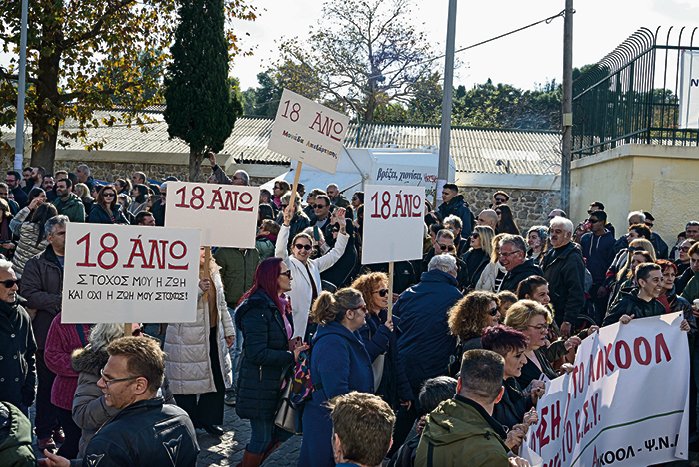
[(522, 59)]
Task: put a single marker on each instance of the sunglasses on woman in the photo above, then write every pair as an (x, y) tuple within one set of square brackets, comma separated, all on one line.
[(303, 247), (474, 235), (494, 312), (286, 273), (382, 292)]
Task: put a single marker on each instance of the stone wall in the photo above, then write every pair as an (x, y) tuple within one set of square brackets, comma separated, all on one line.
[(529, 207)]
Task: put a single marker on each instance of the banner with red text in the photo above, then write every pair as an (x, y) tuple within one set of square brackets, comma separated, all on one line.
[(226, 214), (308, 132), (130, 274), (625, 403), (394, 225)]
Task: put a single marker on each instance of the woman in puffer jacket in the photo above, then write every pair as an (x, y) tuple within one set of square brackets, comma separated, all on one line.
[(196, 356), (90, 410)]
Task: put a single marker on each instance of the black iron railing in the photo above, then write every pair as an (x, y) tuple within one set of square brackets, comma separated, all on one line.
[(632, 95)]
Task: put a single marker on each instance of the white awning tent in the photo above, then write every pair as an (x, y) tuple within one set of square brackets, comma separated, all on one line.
[(382, 166)]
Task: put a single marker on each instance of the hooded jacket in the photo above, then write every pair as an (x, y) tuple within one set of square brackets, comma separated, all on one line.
[(265, 356), (425, 346), (631, 304), (598, 252), (71, 207), (15, 438), (461, 433), (458, 207), (518, 274), (90, 411), (564, 269)]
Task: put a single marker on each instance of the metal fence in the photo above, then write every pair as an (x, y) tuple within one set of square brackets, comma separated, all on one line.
[(632, 95)]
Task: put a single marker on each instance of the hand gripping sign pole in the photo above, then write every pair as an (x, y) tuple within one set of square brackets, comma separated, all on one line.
[(392, 209), (308, 133)]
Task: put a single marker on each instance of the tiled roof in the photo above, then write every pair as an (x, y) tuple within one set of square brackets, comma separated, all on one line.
[(472, 149)]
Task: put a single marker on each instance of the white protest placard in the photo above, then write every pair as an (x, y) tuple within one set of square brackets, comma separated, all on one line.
[(130, 274), (393, 223), (226, 214), (308, 132), (626, 402), (689, 90)]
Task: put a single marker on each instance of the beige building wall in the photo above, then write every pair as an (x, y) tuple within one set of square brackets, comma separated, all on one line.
[(663, 180)]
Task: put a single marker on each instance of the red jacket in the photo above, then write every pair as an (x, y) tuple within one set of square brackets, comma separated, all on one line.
[(60, 343)]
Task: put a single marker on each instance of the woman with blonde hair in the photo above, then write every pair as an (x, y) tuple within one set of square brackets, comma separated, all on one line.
[(479, 254), (470, 315), (340, 364), (494, 272), (533, 320), (196, 356), (380, 335)]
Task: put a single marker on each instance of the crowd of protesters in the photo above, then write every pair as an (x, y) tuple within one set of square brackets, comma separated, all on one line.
[(451, 377)]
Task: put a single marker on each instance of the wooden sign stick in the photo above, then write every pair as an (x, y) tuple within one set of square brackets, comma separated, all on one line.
[(296, 185), (390, 290), (127, 329)]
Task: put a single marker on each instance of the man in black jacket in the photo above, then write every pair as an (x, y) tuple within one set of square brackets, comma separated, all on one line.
[(564, 269), (17, 367), (513, 252), (146, 432), (12, 179), (454, 204)]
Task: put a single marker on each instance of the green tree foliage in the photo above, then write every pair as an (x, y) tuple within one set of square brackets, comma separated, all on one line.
[(201, 103), (86, 55), (364, 54)]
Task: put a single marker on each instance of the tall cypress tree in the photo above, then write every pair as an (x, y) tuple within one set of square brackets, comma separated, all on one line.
[(200, 108)]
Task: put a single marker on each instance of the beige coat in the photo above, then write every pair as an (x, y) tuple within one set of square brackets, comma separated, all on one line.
[(301, 289), (187, 363)]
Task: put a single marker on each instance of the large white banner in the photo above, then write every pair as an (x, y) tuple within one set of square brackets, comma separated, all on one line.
[(393, 223), (625, 403), (130, 274), (226, 214), (689, 90), (308, 132)]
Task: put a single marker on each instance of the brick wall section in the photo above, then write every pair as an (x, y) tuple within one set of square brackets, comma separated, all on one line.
[(529, 207)]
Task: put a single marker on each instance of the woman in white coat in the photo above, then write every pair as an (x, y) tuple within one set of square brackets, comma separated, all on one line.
[(306, 272), (196, 359)]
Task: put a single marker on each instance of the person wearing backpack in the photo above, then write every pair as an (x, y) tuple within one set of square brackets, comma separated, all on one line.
[(340, 364), (264, 316)]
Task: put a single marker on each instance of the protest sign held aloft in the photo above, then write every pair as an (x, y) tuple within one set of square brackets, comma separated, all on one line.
[(615, 407), (308, 132), (226, 214), (129, 274), (393, 223)]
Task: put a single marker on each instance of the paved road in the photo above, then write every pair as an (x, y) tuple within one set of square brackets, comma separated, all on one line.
[(228, 450)]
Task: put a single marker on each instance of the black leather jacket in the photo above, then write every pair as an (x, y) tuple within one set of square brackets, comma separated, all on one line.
[(147, 433)]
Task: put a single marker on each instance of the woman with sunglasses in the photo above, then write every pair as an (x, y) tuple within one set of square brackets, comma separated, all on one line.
[(470, 316), (106, 209), (479, 254), (196, 354), (306, 271), (682, 262), (340, 364), (264, 317), (506, 221), (380, 336)]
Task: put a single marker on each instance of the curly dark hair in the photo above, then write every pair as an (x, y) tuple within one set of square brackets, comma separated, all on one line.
[(467, 317)]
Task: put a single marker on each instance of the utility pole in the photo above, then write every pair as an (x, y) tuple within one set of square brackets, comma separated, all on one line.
[(445, 134), (567, 106), (21, 91)]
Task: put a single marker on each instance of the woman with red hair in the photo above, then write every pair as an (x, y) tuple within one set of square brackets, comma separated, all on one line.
[(264, 317)]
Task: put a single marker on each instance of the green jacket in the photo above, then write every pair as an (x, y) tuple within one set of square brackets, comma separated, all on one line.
[(16, 445), (237, 271), (463, 434), (691, 290), (72, 207)]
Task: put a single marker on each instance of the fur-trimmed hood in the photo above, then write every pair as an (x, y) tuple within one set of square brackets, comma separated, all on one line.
[(89, 360)]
